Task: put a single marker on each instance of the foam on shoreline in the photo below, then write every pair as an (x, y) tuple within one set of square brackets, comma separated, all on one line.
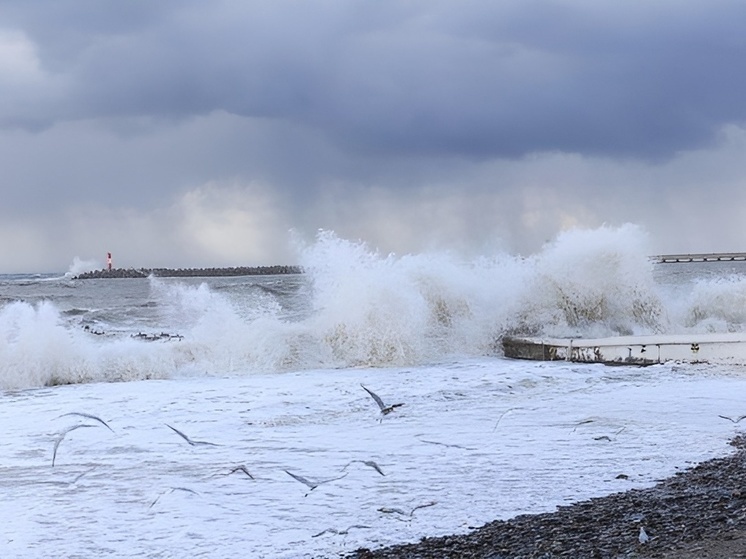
[(700, 508)]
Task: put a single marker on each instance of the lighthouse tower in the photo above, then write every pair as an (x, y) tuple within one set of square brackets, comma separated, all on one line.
[(108, 261)]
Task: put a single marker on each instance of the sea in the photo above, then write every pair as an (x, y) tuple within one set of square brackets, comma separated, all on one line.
[(233, 416)]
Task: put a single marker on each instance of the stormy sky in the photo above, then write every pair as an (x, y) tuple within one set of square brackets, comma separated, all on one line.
[(192, 133)]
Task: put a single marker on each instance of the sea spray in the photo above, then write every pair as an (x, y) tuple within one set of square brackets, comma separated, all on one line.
[(590, 283), (39, 348), (716, 305), (352, 307), (221, 333), (387, 310), (364, 310), (80, 266)]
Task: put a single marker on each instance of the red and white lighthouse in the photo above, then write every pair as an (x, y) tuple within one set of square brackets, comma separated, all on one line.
[(108, 261)]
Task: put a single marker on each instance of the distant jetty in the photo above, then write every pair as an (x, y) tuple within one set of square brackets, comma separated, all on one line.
[(701, 257), (189, 272)]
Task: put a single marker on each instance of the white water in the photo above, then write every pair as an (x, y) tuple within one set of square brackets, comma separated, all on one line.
[(354, 308), (451, 444), (270, 370)]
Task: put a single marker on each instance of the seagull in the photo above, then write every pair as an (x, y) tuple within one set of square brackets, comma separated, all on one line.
[(81, 475), (185, 489), (89, 416), (395, 510), (190, 441), (309, 483), (422, 506), (385, 410), (446, 444), (643, 537), (240, 468), (62, 436), (736, 420), (584, 422), (499, 419), (74, 480), (368, 463), (339, 532)]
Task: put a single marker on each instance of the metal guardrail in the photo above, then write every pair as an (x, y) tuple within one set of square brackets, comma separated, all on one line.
[(701, 257)]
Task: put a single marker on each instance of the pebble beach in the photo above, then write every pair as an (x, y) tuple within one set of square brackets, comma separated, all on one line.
[(699, 513)]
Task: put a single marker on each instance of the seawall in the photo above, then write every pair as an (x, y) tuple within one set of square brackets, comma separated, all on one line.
[(189, 272)]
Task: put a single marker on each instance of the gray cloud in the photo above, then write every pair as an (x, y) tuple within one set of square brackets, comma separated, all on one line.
[(472, 79), (188, 133)]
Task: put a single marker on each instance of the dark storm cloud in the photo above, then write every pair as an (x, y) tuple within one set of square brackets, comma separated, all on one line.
[(482, 79)]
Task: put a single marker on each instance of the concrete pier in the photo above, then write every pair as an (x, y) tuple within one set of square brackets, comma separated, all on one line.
[(701, 257), (632, 350)]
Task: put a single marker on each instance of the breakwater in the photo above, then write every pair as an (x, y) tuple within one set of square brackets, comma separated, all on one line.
[(189, 272)]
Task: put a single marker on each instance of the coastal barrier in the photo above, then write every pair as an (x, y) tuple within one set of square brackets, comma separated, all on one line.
[(725, 348), (701, 257), (189, 272)]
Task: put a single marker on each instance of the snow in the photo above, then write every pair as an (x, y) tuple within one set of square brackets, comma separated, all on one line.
[(475, 441)]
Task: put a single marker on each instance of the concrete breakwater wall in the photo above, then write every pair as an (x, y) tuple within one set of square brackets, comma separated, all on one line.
[(189, 272), (724, 348)]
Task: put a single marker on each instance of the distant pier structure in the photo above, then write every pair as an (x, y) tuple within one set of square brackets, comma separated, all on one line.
[(701, 257)]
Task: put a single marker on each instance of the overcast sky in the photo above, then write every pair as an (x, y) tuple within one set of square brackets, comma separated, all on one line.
[(193, 133)]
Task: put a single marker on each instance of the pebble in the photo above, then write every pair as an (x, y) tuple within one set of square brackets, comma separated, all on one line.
[(702, 503)]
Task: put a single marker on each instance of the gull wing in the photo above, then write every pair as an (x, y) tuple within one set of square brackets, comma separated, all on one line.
[(89, 416), (375, 397), (182, 435)]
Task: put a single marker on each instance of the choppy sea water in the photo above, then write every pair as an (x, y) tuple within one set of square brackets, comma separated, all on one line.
[(269, 370)]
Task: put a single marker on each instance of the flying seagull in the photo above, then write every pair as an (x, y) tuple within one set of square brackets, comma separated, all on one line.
[(310, 483), (446, 444), (62, 436), (339, 532), (81, 475), (368, 463), (74, 480), (190, 441), (736, 420), (88, 416), (395, 510), (607, 437), (240, 468), (385, 410), (185, 489), (499, 419)]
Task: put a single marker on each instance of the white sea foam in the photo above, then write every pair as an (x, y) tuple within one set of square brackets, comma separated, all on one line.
[(574, 432), (37, 348)]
